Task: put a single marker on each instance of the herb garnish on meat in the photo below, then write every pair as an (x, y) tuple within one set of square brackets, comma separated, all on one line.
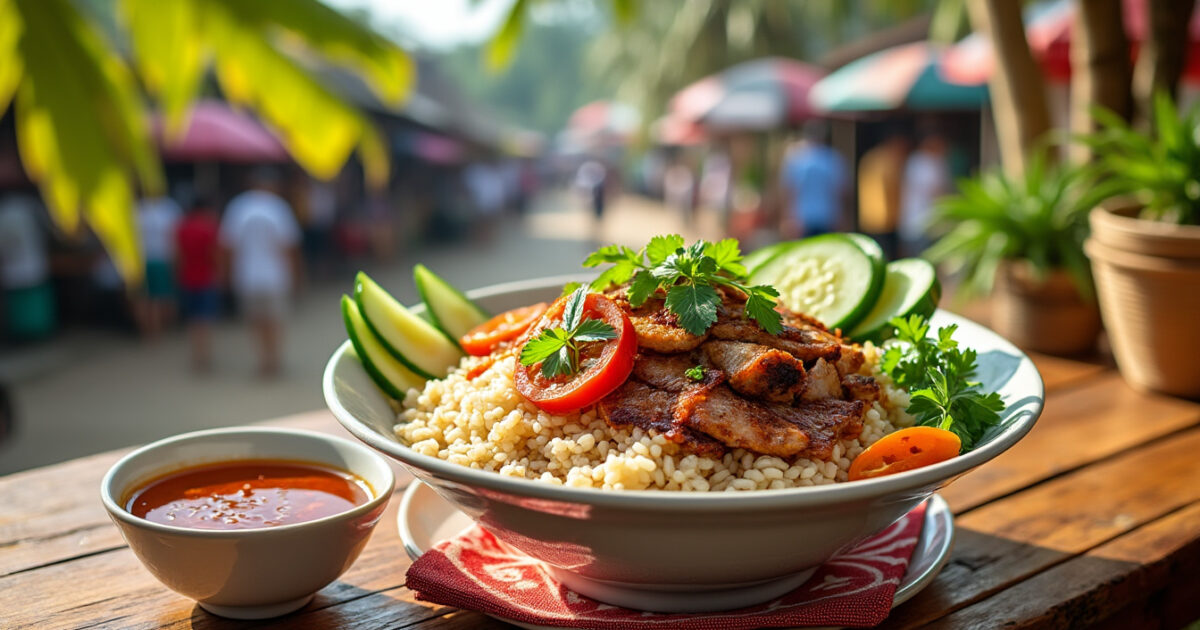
[(696, 372), (558, 348), (938, 373), (689, 276)]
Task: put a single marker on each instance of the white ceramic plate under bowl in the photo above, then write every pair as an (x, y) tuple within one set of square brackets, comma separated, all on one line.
[(425, 519)]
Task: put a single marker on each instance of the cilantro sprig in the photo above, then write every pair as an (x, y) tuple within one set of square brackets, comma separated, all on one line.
[(689, 276), (939, 374), (558, 348)]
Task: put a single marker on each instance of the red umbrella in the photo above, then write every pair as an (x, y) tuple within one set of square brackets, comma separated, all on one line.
[(1048, 29), (218, 133), (759, 94)]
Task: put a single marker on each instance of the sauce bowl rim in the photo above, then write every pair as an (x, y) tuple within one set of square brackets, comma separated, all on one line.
[(379, 496)]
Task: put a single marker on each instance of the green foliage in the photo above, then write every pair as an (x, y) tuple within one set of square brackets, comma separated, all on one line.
[(1040, 218), (1161, 170), (938, 373), (81, 127), (558, 348), (689, 277)]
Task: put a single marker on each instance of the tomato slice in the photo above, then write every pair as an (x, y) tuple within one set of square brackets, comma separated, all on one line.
[(483, 339), (604, 364), (903, 450)]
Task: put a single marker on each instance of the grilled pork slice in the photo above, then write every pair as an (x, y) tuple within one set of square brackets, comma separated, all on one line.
[(658, 328), (824, 422), (823, 382), (669, 371), (739, 423), (758, 371), (637, 404), (850, 361), (859, 387), (806, 344)]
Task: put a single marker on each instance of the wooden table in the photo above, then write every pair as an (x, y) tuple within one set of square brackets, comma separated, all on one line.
[(1093, 519)]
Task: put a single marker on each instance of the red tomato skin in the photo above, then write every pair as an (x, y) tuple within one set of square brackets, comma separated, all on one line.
[(615, 365)]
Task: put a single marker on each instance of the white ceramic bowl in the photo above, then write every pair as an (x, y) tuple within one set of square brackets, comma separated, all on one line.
[(249, 573), (675, 551)]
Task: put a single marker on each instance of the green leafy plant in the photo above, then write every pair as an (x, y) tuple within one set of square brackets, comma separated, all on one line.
[(939, 374), (689, 276), (1040, 218), (83, 132), (1161, 169)]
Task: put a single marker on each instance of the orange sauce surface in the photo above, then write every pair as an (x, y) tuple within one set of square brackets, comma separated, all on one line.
[(247, 494)]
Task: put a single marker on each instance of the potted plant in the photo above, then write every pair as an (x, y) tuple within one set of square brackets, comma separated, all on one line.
[(1021, 240), (1145, 247)]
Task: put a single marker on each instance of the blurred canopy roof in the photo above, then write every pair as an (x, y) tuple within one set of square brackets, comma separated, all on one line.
[(218, 133), (438, 105), (905, 76), (1048, 29), (762, 93)]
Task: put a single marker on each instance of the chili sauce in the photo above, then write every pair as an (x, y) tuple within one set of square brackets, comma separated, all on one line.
[(247, 494)]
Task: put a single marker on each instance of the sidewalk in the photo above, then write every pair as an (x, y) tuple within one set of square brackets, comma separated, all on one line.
[(89, 392)]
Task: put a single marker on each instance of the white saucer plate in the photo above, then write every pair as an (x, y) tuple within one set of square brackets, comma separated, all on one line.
[(426, 519)]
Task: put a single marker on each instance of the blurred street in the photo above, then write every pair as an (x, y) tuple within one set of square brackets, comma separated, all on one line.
[(89, 391)]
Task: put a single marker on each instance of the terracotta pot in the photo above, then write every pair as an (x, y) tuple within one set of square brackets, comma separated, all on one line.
[(1116, 225), (1047, 315), (1151, 308)]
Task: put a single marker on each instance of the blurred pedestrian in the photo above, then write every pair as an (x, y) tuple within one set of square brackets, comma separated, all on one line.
[(679, 190), (814, 181), (592, 181), (261, 240), (926, 178), (28, 296), (880, 178), (198, 256), (157, 219)]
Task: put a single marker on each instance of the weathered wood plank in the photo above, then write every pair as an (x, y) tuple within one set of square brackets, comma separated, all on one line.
[(1058, 372), (1092, 422), (113, 588), (1116, 578), (1005, 542)]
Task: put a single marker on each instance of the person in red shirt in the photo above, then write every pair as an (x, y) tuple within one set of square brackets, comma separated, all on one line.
[(198, 259)]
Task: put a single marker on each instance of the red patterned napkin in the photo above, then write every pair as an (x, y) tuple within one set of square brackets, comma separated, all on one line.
[(478, 572)]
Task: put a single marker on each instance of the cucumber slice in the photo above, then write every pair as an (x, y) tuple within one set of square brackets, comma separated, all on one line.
[(759, 257), (452, 312), (389, 374), (831, 277), (408, 338), (910, 286)]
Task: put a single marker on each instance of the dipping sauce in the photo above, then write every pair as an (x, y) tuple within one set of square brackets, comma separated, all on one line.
[(248, 494)]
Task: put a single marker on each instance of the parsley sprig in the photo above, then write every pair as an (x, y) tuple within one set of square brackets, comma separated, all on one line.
[(938, 373), (689, 276), (558, 348)]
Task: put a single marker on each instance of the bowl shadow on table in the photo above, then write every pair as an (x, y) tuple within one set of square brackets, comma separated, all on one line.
[(337, 595), (994, 581)]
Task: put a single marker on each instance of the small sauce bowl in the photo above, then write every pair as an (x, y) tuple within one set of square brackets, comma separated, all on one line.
[(248, 573)]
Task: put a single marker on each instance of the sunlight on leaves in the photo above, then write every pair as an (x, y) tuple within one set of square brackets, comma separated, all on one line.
[(82, 128), (503, 45), (79, 130)]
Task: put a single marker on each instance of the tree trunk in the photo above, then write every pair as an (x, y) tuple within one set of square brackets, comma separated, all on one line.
[(1164, 53), (1100, 69), (1018, 91)]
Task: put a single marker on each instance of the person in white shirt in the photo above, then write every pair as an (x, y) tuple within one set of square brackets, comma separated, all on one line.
[(926, 178), (157, 218), (260, 237)]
